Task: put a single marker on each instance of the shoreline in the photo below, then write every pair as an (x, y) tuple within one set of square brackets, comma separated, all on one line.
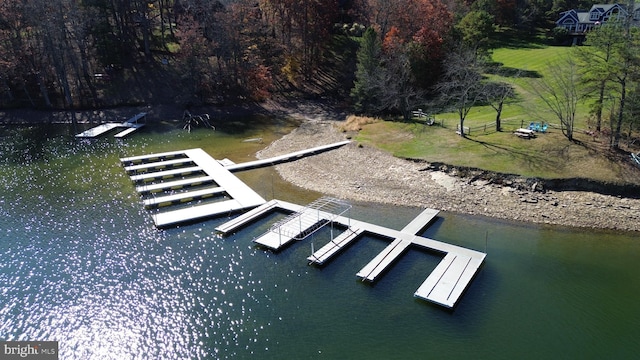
[(362, 173)]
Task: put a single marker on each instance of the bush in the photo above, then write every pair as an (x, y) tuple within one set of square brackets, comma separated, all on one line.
[(561, 36), (355, 123)]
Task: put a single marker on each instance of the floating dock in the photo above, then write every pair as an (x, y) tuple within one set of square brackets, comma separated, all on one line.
[(449, 279), (334, 246), (397, 247), (199, 176), (160, 174), (303, 222), (131, 125), (444, 286), (182, 170)]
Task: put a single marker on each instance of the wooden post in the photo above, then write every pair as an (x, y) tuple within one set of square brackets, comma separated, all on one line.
[(486, 240)]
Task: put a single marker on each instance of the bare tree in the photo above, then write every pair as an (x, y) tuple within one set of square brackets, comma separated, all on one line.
[(463, 86), (496, 94), (559, 91), (396, 89)]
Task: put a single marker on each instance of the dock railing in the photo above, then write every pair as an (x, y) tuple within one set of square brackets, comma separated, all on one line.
[(310, 219)]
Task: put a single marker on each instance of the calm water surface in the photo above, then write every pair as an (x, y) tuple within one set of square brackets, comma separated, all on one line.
[(81, 263)]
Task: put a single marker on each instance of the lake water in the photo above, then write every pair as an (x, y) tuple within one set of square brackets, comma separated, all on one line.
[(81, 263)]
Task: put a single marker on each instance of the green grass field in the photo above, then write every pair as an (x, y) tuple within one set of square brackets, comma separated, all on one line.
[(549, 155)]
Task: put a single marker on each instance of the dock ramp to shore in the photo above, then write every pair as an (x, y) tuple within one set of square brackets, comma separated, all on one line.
[(284, 158)]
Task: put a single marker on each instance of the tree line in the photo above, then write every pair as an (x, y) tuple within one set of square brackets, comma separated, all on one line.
[(69, 53), (57, 53), (603, 74)]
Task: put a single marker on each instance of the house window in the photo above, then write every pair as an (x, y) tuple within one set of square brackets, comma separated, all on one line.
[(568, 24), (594, 15), (636, 15)]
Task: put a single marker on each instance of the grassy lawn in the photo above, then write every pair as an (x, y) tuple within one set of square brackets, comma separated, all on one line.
[(549, 155)]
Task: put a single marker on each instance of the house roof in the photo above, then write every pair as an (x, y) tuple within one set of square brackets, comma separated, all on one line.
[(584, 17)]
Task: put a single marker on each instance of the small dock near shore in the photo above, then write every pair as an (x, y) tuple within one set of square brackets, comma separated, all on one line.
[(444, 286), (130, 126)]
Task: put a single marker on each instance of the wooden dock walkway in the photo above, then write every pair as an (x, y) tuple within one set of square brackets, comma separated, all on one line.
[(444, 286), (149, 176), (157, 165), (98, 130), (421, 221), (284, 158), (449, 279), (398, 247), (152, 168), (197, 212), (381, 262), (154, 157), (128, 131)]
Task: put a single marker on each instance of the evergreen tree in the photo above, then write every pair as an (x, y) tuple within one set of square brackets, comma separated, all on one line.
[(365, 90)]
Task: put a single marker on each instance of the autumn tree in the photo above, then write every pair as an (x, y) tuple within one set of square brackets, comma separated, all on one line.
[(302, 28), (247, 40), (426, 23), (397, 88), (193, 58)]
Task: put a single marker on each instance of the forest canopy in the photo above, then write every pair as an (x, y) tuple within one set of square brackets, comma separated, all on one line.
[(91, 53)]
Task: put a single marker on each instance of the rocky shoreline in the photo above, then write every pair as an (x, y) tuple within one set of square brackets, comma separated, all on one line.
[(362, 173)]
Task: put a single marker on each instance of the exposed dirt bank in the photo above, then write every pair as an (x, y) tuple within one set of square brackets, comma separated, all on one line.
[(363, 173)]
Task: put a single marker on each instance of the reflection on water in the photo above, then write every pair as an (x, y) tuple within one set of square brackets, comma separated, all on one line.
[(81, 263)]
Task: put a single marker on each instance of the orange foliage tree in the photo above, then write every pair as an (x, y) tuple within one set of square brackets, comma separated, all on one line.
[(424, 23)]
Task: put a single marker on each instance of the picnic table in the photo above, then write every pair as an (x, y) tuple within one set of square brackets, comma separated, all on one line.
[(525, 133)]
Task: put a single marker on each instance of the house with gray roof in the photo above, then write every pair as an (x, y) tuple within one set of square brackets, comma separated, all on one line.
[(579, 22)]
